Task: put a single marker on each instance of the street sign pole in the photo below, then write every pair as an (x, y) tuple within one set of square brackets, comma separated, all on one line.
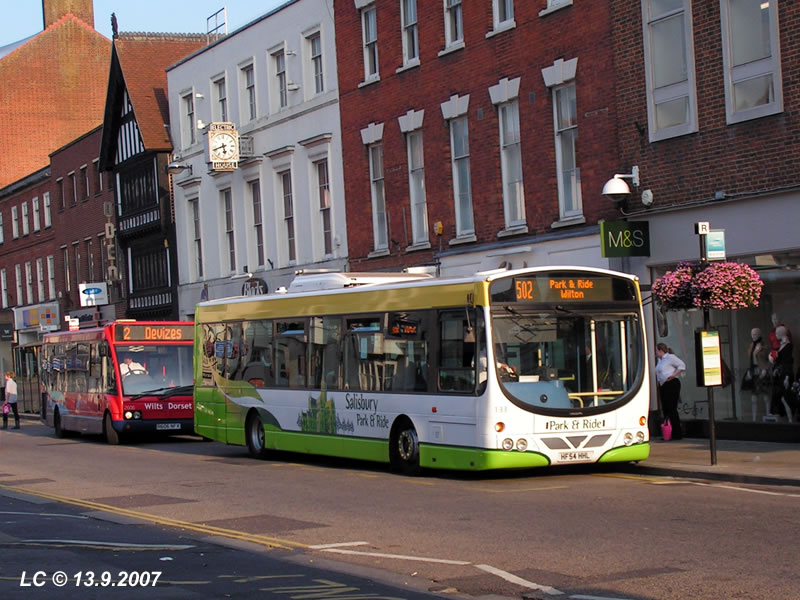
[(702, 229)]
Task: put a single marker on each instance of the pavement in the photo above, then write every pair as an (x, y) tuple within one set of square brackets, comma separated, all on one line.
[(738, 461)]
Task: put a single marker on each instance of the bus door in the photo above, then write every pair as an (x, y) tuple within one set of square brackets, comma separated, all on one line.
[(461, 374), (77, 396), (95, 380), (236, 398), (209, 402)]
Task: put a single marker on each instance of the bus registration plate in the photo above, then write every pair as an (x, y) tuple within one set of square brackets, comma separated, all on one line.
[(167, 426), (579, 456)]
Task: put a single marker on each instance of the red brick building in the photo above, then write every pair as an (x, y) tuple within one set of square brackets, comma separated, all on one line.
[(709, 111), (52, 95), (53, 243), (81, 197), (448, 125), (53, 87), (715, 150), (26, 234)]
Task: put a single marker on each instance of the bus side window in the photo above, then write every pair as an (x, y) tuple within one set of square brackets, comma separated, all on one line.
[(324, 348), (457, 351), (109, 377), (95, 375), (82, 367), (58, 378), (351, 381), (71, 354), (213, 352), (256, 366), (233, 351), (363, 353), (263, 344), (406, 351), (290, 353)]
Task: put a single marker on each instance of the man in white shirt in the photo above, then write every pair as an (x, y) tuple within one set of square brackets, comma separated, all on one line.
[(668, 370), (129, 366)]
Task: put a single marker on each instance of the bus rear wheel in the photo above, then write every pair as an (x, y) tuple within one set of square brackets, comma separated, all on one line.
[(254, 432), (111, 435), (57, 429), (404, 449)]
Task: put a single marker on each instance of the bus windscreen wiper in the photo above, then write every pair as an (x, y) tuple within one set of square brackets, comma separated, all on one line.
[(181, 390), (165, 392)]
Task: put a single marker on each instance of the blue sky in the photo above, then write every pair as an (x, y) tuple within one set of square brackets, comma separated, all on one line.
[(23, 18)]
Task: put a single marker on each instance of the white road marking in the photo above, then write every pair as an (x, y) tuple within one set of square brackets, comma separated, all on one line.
[(339, 545), (399, 556), (741, 489), (111, 544), (583, 597), (520, 581), (12, 512)]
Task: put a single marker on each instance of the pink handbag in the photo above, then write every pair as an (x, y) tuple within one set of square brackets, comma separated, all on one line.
[(666, 430), (6, 408)]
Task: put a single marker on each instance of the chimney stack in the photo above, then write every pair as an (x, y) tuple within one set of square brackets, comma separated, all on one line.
[(53, 10)]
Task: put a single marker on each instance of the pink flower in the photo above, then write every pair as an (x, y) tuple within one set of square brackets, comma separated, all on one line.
[(717, 285)]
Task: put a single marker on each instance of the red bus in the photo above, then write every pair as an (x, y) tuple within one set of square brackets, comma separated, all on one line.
[(124, 377)]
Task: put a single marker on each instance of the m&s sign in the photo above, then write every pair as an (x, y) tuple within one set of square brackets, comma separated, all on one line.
[(625, 238)]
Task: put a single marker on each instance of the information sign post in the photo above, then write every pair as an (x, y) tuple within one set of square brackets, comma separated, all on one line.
[(709, 362)]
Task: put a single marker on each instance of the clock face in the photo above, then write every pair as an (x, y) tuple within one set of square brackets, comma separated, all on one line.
[(222, 146)]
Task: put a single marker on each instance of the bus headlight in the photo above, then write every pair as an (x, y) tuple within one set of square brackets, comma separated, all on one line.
[(137, 414), (508, 444), (128, 415), (628, 439), (639, 437), (522, 444)]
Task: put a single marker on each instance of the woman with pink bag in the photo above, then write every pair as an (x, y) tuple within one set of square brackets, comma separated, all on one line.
[(10, 403), (668, 369)]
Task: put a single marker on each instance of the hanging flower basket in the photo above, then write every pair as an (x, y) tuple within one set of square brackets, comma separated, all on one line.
[(717, 285)]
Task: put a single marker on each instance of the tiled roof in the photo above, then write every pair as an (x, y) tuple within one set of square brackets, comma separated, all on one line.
[(53, 91), (144, 58), (8, 48)]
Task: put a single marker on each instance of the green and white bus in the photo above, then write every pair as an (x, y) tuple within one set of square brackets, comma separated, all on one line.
[(497, 370)]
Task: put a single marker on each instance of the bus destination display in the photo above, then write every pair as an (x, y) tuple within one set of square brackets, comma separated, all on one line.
[(563, 289), (131, 332)]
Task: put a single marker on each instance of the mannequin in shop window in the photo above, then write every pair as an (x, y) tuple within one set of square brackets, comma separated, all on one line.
[(773, 335), (759, 369), (783, 367)]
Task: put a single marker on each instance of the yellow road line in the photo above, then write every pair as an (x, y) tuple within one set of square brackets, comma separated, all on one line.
[(516, 490), (261, 540), (634, 477)]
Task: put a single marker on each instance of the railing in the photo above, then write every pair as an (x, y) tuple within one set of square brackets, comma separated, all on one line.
[(150, 301), (150, 217)]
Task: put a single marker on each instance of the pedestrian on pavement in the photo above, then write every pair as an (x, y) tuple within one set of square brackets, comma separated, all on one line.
[(668, 370), (783, 372), (10, 401)]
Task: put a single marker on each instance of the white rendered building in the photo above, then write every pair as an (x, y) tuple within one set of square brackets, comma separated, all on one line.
[(282, 208)]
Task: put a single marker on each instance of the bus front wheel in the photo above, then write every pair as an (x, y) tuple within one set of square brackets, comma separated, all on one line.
[(58, 430), (254, 432), (404, 449), (112, 437)]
